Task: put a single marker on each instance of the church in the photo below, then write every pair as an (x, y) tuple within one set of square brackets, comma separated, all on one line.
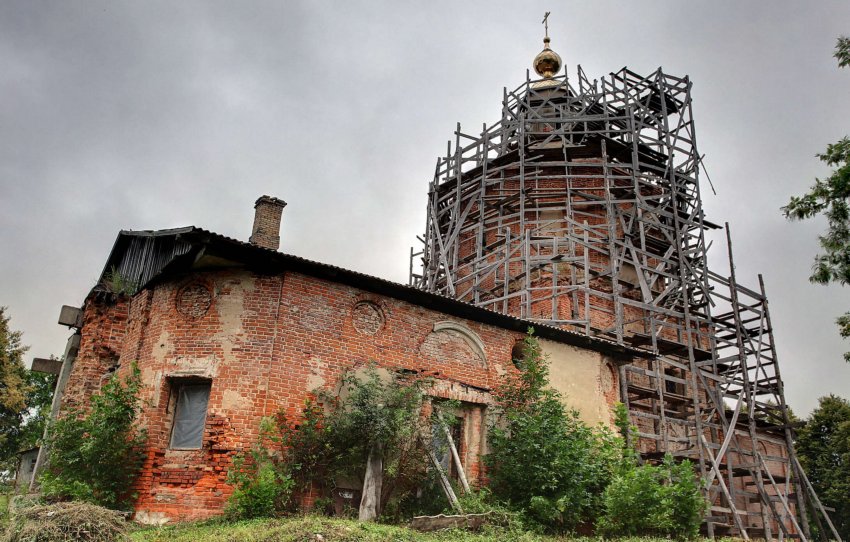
[(577, 213)]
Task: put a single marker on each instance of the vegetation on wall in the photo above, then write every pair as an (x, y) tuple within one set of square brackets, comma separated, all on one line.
[(117, 283), (96, 454), (547, 470), (373, 419), (543, 460)]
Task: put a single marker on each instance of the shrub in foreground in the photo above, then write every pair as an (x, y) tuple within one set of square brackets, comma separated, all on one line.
[(66, 521), (261, 478), (544, 461), (95, 456), (647, 500), (375, 419)]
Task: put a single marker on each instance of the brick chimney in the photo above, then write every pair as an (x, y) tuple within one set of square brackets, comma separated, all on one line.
[(266, 231)]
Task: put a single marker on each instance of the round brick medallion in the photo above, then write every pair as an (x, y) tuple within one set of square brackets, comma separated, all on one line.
[(194, 300), (367, 317)]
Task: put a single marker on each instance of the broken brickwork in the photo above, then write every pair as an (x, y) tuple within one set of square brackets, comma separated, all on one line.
[(263, 342), (105, 322)]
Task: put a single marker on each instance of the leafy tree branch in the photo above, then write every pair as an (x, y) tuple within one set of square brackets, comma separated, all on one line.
[(830, 197)]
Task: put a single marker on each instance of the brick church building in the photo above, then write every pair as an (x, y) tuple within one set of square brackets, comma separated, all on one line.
[(237, 331), (578, 213)]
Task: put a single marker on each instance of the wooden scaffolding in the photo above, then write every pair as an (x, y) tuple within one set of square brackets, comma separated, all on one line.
[(581, 209)]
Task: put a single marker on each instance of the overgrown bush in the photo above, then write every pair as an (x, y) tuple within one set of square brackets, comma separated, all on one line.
[(95, 456), (305, 444), (371, 414), (62, 522), (647, 500), (261, 478), (290, 457), (543, 459)]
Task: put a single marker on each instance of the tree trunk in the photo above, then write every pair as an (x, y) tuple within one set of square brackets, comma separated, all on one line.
[(372, 482)]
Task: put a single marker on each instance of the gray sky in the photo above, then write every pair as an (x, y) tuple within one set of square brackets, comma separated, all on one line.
[(147, 115)]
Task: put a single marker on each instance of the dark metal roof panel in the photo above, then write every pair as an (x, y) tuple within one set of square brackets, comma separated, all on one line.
[(139, 256), (143, 256), (267, 259)]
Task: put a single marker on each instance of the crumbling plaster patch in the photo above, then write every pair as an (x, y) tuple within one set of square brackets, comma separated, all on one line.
[(152, 381), (230, 306), (451, 346), (471, 338), (315, 380), (584, 380), (191, 366), (234, 401), (162, 347)]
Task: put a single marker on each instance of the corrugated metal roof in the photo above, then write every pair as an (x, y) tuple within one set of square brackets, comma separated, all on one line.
[(143, 256), (139, 256)]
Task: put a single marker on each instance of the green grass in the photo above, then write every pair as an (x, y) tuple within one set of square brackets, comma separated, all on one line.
[(306, 529), (4, 509)]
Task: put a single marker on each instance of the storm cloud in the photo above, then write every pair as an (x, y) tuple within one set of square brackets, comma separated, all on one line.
[(147, 115)]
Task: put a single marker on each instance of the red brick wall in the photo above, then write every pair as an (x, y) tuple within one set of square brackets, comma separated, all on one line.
[(102, 338), (265, 342)]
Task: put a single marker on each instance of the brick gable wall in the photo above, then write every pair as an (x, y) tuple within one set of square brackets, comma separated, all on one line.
[(264, 342)]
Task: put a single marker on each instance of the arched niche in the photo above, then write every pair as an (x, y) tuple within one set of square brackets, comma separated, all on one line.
[(454, 341)]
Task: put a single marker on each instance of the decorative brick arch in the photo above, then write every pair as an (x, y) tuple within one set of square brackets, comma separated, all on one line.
[(471, 338)]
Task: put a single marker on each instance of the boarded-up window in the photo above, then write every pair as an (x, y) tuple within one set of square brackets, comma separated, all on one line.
[(190, 414)]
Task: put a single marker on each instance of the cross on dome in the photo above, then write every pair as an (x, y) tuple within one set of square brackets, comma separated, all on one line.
[(547, 62)]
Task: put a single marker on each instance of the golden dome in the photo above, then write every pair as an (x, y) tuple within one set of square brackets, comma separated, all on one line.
[(547, 62)]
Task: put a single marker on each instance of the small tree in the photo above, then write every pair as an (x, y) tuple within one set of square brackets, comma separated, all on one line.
[(25, 398), (38, 402), (13, 392), (823, 445), (95, 456), (374, 430), (543, 459)]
